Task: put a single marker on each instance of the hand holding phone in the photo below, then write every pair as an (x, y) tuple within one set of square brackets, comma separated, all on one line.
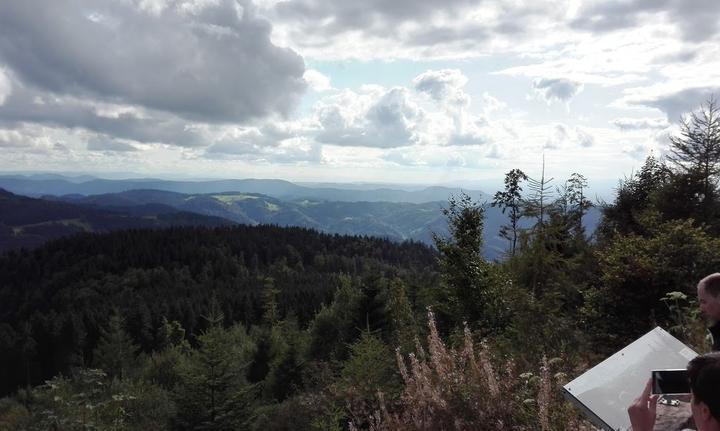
[(669, 382)]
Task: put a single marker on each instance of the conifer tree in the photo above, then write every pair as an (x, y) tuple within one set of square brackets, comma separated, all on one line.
[(697, 148), (401, 315), (511, 199), (537, 251), (634, 196), (537, 205), (213, 393), (116, 352), (470, 292), (369, 369), (335, 326), (573, 203)]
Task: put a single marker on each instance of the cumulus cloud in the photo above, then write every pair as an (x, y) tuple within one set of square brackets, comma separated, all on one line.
[(697, 20), (317, 81), (250, 140), (276, 142), (27, 106), (408, 29), (443, 86), (378, 118), (205, 61), (556, 89), (676, 103), (298, 151), (433, 111), (13, 139), (30, 139), (640, 123)]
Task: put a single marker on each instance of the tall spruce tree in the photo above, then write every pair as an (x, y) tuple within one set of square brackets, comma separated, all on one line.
[(213, 393), (115, 353), (539, 202), (538, 206), (696, 151), (634, 196), (574, 203), (470, 289), (511, 200)]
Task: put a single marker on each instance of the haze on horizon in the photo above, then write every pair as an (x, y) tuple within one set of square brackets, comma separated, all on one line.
[(430, 92)]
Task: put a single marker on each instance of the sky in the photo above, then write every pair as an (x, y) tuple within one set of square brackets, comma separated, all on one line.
[(416, 92)]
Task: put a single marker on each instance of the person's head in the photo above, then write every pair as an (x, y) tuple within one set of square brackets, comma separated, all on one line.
[(708, 290), (704, 374)]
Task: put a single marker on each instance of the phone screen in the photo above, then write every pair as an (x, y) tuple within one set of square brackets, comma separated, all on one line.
[(670, 382)]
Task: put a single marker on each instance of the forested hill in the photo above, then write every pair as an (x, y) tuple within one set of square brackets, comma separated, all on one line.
[(398, 221), (55, 299), (393, 220), (29, 222)]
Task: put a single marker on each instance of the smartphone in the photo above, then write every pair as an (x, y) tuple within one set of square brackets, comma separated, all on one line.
[(670, 382)]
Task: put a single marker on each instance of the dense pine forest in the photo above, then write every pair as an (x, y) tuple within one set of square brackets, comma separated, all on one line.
[(248, 328)]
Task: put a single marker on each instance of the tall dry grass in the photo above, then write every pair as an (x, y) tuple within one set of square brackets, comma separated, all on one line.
[(466, 388)]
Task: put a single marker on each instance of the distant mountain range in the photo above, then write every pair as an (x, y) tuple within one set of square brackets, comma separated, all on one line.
[(58, 185), (393, 220), (395, 214), (29, 222)]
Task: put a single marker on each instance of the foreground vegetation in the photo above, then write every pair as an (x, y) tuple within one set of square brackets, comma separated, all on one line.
[(286, 329)]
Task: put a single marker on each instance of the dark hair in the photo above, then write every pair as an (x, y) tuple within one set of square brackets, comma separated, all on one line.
[(704, 374), (711, 284)]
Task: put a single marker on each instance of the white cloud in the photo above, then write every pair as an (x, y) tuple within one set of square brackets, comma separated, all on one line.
[(326, 29), (443, 86), (374, 117), (14, 139), (383, 119), (624, 57), (674, 99), (317, 81), (213, 62), (556, 89), (696, 20), (436, 111), (683, 102)]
